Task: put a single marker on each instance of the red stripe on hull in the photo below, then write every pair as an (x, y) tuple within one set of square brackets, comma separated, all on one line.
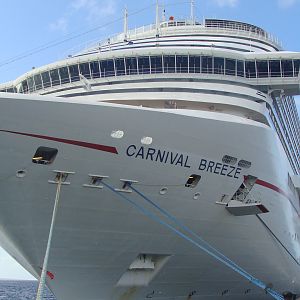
[(66, 141), (270, 186)]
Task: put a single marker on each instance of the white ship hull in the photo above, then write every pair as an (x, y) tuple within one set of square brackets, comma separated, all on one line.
[(98, 235)]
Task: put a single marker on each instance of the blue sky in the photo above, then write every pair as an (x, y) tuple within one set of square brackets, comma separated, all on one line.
[(37, 32)]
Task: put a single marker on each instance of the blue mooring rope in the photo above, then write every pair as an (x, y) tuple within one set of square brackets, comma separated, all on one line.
[(206, 248)]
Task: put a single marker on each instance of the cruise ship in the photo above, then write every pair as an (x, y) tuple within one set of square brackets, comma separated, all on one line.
[(162, 163)]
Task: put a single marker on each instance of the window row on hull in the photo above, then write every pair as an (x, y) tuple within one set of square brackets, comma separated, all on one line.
[(159, 64)]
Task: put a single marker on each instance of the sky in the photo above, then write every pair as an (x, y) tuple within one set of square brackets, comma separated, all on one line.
[(35, 33)]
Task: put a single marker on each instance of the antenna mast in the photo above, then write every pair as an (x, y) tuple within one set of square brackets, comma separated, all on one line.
[(125, 24), (163, 13), (192, 11), (157, 19)]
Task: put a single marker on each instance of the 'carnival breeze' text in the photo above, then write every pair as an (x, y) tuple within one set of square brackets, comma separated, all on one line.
[(181, 160)]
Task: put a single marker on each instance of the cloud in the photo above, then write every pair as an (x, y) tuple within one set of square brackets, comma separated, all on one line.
[(60, 24), (89, 10), (286, 3), (230, 3), (95, 8)]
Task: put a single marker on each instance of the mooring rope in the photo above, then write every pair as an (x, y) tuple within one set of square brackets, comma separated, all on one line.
[(206, 247), (42, 280)]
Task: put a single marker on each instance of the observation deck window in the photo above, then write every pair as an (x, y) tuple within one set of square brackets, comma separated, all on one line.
[(131, 65), (169, 63), (240, 68), (64, 75), (275, 70), (230, 66), (287, 68), (54, 77), (74, 73), (46, 79), (296, 66), (10, 90), (262, 69), (206, 64), (30, 84), (107, 68), (250, 69), (38, 81), (219, 65), (156, 64), (144, 65), (84, 69), (120, 66), (95, 69), (195, 64), (25, 86), (182, 63)]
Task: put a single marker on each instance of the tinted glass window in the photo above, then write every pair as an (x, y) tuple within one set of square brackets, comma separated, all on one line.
[(10, 90), (38, 81), (120, 66), (206, 64), (182, 64), (46, 79), (95, 69), (144, 65), (274, 66), (250, 69), (131, 65), (218, 65), (287, 68), (107, 68), (296, 66), (85, 70), (230, 66), (156, 64), (240, 68), (194, 64), (262, 68), (54, 77), (74, 73), (30, 84), (25, 86), (64, 75), (169, 63)]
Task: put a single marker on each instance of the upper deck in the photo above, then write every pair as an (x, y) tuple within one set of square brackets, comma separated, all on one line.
[(218, 48), (222, 34)]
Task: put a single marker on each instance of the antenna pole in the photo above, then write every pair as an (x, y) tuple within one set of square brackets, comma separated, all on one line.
[(125, 24), (163, 13), (192, 11), (157, 19)]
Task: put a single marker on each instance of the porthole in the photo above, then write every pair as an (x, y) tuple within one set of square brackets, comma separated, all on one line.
[(146, 140), (196, 196), (44, 155), (21, 173), (192, 181), (117, 134), (163, 190)]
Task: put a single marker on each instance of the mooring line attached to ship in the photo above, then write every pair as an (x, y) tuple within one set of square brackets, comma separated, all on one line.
[(206, 244), (41, 286), (215, 255), (187, 229)]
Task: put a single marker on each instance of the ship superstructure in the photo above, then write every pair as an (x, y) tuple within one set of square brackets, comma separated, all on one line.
[(200, 117)]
